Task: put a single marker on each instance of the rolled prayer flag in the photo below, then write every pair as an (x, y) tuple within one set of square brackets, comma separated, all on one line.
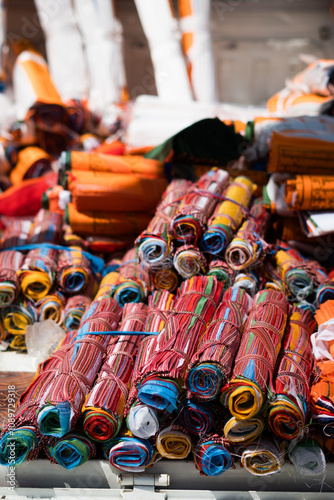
[(32, 162), (197, 300), (255, 362), (16, 234), (51, 307), (189, 261), (212, 363), (62, 403), (38, 272), (165, 279), (73, 272), (248, 247), (71, 450), (222, 271), (189, 222), (108, 282), (104, 406), (129, 454), (47, 228), (173, 443), (289, 406), (310, 192), (200, 419), (211, 456), (263, 457), (154, 245), (133, 283), (75, 308), (10, 262), (228, 215), (243, 431), (308, 458)]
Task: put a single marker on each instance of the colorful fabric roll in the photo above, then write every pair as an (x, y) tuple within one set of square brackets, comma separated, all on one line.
[(47, 228), (189, 222), (308, 458), (200, 419), (51, 307), (75, 308), (263, 457), (211, 456), (324, 293), (189, 261), (16, 234), (133, 283), (114, 192), (16, 317), (38, 272), (177, 342), (154, 245), (173, 443), (71, 450), (222, 271), (32, 162), (248, 248), (243, 431), (310, 192), (108, 283), (255, 362), (104, 406), (10, 262), (289, 407), (63, 401), (129, 454), (248, 280), (212, 363), (165, 279), (73, 273), (228, 215), (106, 223)]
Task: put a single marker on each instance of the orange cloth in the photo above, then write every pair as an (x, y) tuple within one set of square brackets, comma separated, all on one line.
[(32, 162), (111, 148), (310, 192)]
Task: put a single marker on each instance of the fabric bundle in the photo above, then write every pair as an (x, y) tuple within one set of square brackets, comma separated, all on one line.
[(16, 317), (51, 307), (248, 248), (63, 401), (310, 192), (71, 450), (75, 308), (254, 365), (154, 245), (197, 300), (10, 262), (212, 363), (38, 272), (289, 407), (74, 272), (222, 271), (189, 261), (173, 443), (32, 162), (16, 234), (129, 453), (165, 279), (47, 228), (133, 283), (308, 458), (211, 456), (243, 431), (189, 222), (228, 215), (263, 457), (104, 406), (200, 419)]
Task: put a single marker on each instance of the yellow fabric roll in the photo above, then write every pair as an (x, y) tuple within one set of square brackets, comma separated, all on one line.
[(173, 444)]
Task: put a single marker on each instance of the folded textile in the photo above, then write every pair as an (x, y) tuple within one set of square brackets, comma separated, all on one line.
[(295, 102), (227, 215), (38, 272), (308, 458), (197, 300), (189, 261), (248, 247), (16, 233), (289, 406), (310, 192), (75, 308), (51, 307), (222, 271), (133, 283), (165, 279), (106, 223), (173, 443), (73, 272), (74, 161), (263, 457), (104, 405), (10, 262), (62, 403), (211, 456), (108, 282), (200, 419), (212, 363), (71, 450), (247, 280), (110, 192), (46, 228), (154, 245), (32, 162), (189, 222), (243, 431), (316, 78), (255, 362), (129, 453)]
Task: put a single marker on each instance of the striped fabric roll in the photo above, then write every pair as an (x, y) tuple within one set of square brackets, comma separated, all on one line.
[(254, 366), (104, 406), (73, 273), (200, 419), (211, 456), (293, 102), (71, 450), (248, 248), (46, 228), (263, 457), (109, 280), (189, 222), (222, 271), (289, 408), (15, 318), (173, 443), (16, 234), (75, 308), (177, 342), (165, 279), (212, 363), (243, 431), (51, 307), (63, 401), (133, 283), (129, 454), (228, 215), (154, 245), (189, 261), (10, 262), (324, 292), (38, 272)]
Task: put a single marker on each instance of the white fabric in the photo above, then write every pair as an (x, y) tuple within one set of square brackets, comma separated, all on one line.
[(24, 94), (308, 460), (320, 340), (143, 421)]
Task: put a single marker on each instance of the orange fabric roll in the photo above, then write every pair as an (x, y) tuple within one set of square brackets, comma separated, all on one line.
[(114, 192), (111, 148), (32, 162), (310, 192), (104, 223), (110, 163)]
